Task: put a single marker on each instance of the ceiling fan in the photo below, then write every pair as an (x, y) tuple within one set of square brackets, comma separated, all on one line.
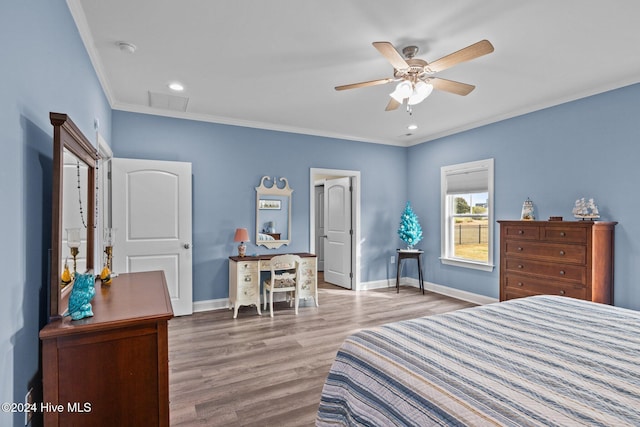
[(416, 76)]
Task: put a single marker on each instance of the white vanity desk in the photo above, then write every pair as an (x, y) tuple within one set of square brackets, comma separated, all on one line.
[(244, 279)]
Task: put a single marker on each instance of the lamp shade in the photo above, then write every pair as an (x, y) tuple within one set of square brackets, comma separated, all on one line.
[(242, 235), (403, 90), (420, 92)]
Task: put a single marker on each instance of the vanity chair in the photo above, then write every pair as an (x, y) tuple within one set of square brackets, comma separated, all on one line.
[(285, 277)]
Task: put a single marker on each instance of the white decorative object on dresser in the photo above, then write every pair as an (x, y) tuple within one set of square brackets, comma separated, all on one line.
[(244, 279)]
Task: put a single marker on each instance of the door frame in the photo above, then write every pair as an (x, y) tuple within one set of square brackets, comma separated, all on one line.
[(317, 175), (104, 197)]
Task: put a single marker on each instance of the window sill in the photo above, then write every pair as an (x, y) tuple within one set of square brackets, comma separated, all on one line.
[(467, 264)]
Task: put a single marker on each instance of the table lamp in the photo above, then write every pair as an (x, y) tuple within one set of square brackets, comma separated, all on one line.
[(242, 235)]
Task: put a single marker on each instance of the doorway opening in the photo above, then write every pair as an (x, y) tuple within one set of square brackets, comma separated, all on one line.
[(348, 258)]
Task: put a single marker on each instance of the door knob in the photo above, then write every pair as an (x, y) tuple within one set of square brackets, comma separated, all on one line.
[(186, 245)]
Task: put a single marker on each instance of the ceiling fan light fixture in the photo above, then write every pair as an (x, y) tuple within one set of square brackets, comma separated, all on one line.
[(421, 91), (403, 90)]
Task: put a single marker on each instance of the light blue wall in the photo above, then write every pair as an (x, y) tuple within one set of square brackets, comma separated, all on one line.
[(228, 162), (586, 148), (44, 68)]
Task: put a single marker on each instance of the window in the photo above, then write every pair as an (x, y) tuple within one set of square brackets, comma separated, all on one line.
[(467, 214)]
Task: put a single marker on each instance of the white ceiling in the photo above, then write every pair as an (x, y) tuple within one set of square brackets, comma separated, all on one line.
[(274, 64)]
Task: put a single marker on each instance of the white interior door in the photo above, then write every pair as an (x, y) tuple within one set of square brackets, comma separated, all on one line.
[(151, 211), (319, 211), (337, 223)]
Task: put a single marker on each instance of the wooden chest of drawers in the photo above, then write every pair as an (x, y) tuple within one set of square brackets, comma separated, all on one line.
[(572, 258)]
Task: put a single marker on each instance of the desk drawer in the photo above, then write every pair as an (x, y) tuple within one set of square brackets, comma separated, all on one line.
[(556, 271), (557, 252)]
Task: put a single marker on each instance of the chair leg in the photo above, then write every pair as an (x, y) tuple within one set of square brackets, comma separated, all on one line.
[(264, 298), (296, 301), (271, 303)]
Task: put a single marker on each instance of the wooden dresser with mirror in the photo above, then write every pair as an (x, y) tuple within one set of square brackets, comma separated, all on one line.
[(111, 368)]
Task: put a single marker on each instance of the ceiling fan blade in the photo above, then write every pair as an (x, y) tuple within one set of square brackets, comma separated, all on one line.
[(466, 54), (365, 84), (388, 51), (392, 105), (451, 86)]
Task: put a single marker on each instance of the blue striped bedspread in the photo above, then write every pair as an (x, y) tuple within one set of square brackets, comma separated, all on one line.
[(536, 361)]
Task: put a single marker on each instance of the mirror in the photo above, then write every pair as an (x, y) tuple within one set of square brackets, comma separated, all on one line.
[(74, 208), (273, 213)]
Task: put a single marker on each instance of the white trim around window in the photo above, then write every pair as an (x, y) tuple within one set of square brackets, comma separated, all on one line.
[(465, 179)]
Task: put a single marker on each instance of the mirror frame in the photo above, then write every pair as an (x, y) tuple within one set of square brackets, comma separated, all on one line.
[(66, 135), (273, 190)]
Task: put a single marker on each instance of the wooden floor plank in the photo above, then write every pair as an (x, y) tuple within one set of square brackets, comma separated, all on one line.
[(263, 371)]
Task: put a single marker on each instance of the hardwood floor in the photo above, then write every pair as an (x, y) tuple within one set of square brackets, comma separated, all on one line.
[(263, 371)]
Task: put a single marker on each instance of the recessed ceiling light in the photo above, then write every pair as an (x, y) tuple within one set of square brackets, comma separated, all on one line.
[(176, 86), (412, 127)]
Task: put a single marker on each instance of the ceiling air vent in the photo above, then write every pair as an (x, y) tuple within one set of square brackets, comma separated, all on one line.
[(168, 102)]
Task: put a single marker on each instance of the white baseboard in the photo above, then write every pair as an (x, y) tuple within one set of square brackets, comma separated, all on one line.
[(439, 289), (223, 303), (212, 304)]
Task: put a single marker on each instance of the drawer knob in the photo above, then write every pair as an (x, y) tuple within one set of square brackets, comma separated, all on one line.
[(561, 252), (562, 234), (520, 266), (520, 231), (562, 292), (520, 249), (520, 284), (562, 272)]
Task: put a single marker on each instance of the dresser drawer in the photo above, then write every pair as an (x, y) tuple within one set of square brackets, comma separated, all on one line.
[(557, 271), (560, 252), (524, 285), (247, 267), (565, 234), (530, 232)]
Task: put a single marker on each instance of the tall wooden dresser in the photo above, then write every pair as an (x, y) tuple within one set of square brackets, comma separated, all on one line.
[(111, 369), (570, 258)]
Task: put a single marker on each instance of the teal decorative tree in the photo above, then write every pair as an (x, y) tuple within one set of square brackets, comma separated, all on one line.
[(410, 231)]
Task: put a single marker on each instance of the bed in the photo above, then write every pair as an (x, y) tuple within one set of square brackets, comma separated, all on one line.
[(536, 361)]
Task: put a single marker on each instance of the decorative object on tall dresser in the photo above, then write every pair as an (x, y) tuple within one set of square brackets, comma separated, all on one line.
[(585, 209), (273, 206), (81, 296), (528, 213), (409, 231), (73, 241), (569, 258), (285, 277), (242, 235)]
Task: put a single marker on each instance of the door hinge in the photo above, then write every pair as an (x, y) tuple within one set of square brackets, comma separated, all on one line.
[(350, 275), (351, 232)]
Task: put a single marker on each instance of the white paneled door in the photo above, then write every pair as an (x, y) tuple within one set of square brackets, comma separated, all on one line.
[(151, 208), (338, 231)]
